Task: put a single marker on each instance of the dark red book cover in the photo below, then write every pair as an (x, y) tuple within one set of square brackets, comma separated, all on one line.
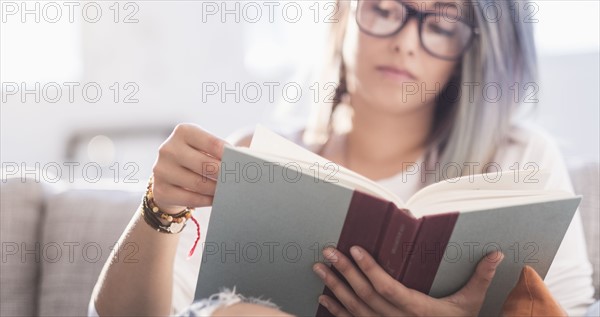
[(392, 236), (364, 220), (428, 251), (398, 241)]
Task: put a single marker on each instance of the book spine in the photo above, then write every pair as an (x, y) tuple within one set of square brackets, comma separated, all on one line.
[(364, 226), (397, 241), (428, 251)]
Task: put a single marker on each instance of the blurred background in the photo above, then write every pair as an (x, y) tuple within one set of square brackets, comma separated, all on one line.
[(105, 82)]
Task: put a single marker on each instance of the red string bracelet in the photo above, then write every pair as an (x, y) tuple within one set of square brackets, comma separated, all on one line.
[(151, 213), (197, 238)]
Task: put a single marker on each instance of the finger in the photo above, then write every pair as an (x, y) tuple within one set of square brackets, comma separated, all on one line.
[(176, 196), (202, 140), (342, 291), (473, 293), (200, 163), (333, 306), (359, 283), (193, 159), (186, 179), (384, 284)]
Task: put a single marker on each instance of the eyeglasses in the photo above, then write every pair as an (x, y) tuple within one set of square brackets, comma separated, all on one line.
[(442, 35)]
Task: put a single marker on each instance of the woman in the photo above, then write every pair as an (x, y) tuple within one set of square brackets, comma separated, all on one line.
[(419, 82)]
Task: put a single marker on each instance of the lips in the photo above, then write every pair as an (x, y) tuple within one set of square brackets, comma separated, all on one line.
[(395, 73)]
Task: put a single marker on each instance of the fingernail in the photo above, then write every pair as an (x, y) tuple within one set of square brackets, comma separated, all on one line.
[(496, 259), (356, 253), (319, 272), (501, 258), (322, 302), (330, 254)]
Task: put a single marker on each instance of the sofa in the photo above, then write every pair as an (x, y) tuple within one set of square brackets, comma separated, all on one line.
[(56, 237)]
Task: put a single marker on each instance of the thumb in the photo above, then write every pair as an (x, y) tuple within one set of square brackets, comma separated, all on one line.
[(473, 293)]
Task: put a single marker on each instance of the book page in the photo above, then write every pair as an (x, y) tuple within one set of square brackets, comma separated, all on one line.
[(470, 200), (483, 191), (280, 149), (513, 180), (465, 193)]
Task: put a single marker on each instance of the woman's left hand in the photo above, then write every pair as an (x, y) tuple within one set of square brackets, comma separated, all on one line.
[(373, 292)]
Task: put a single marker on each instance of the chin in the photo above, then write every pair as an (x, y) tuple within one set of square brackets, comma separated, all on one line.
[(392, 104)]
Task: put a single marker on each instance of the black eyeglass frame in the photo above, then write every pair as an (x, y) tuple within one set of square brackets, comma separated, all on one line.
[(421, 16)]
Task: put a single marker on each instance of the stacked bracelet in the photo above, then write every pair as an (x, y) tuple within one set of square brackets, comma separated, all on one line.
[(156, 217)]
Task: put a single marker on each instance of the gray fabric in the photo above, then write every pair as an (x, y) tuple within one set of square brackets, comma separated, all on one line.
[(93, 221), (585, 178), (20, 211)]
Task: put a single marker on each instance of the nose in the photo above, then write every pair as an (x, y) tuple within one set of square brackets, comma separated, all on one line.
[(407, 40)]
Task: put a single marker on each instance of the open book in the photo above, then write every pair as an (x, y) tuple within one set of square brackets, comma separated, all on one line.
[(277, 205)]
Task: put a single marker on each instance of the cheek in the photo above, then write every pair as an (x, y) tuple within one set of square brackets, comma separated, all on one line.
[(360, 52), (437, 73)]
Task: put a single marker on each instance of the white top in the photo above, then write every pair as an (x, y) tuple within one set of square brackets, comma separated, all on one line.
[(569, 278)]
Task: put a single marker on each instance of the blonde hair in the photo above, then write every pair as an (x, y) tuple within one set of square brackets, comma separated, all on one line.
[(467, 127)]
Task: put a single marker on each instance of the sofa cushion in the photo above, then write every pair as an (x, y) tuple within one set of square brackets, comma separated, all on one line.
[(531, 297), (21, 208), (80, 230), (585, 179)]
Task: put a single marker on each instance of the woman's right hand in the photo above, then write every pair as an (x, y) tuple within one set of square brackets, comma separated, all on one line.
[(186, 169)]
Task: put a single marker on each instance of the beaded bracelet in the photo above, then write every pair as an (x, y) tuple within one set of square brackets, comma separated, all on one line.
[(155, 217), (180, 216), (155, 222), (176, 222), (155, 212)]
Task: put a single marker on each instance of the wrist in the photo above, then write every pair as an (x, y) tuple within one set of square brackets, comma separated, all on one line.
[(167, 222), (171, 210), (159, 219)]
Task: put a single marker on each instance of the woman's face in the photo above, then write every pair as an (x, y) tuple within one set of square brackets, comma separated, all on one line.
[(395, 73)]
